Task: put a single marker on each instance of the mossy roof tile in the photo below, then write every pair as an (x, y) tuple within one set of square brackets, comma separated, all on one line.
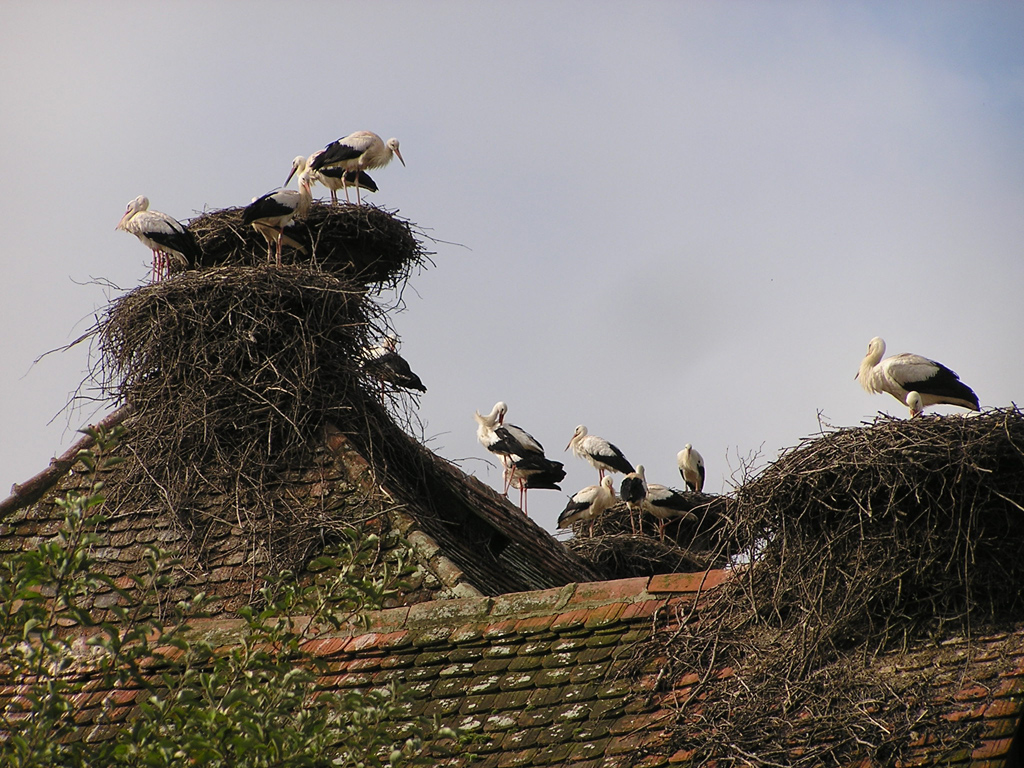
[(554, 679)]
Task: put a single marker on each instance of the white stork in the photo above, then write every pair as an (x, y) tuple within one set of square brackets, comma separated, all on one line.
[(336, 178), (588, 504), (384, 363), (505, 440), (274, 211), (358, 151), (166, 237), (533, 471), (633, 490), (902, 374), (601, 454), (691, 468), (665, 503)]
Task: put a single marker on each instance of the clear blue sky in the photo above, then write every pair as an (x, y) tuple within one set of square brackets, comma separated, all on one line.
[(676, 222)]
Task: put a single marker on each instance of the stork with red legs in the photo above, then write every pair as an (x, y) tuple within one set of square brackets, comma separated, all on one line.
[(514, 446), (665, 503), (533, 471), (166, 237), (633, 491), (336, 178)]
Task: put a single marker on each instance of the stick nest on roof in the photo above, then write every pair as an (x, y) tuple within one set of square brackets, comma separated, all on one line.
[(867, 540), (233, 371), (691, 544)]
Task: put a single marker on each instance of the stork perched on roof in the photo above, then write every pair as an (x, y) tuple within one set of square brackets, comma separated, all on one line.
[(358, 151), (601, 454), (533, 471), (336, 178), (691, 468), (384, 363), (165, 236), (507, 441), (274, 211), (633, 490), (588, 504), (665, 503), (902, 374)]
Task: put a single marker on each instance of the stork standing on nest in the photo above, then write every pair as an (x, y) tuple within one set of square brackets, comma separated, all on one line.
[(167, 237), (602, 455), (902, 374), (336, 178), (359, 151), (665, 504), (633, 490), (588, 504), (691, 468), (274, 211)]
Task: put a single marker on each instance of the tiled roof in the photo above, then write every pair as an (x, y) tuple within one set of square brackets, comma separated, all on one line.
[(467, 540), (549, 677), (969, 711), (575, 676)]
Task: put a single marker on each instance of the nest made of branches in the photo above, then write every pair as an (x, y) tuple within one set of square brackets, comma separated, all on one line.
[(231, 374), (867, 541), (691, 543), (364, 243)]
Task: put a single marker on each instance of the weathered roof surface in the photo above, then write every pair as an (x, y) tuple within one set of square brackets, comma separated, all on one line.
[(467, 540), (549, 677)]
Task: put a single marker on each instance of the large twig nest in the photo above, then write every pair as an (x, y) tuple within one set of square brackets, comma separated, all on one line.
[(692, 543), (867, 540), (902, 521), (232, 374), (365, 243)]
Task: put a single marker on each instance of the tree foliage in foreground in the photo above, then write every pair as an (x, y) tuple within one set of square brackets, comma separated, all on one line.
[(148, 692)]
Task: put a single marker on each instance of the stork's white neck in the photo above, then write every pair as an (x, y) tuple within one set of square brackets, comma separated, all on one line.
[(868, 374)]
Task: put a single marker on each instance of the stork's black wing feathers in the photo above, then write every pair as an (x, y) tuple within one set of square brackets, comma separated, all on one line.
[(393, 368), (184, 242), (945, 383), (335, 153), (264, 208), (351, 177), (617, 459), (631, 489)]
